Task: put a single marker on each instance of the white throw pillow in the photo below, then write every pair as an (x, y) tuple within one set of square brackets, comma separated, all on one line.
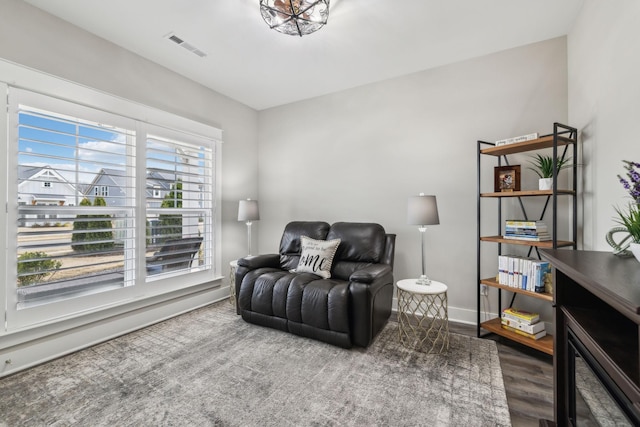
[(317, 256)]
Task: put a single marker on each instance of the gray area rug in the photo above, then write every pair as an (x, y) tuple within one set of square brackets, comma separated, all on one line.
[(209, 367)]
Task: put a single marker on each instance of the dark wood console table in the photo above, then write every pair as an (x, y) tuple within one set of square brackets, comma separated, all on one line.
[(597, 331)]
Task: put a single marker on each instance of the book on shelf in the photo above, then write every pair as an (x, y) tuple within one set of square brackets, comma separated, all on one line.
[(525, 223), (523, 229), (525, 334), (543, 278), (524, 273), (513, 140), (530, 238), (525, 327), (526, 230), (521, 315)]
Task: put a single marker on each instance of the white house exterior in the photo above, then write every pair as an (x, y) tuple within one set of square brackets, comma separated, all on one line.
[(45, 186)]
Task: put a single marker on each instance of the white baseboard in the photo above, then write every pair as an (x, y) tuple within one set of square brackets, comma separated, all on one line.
[(455, 314)]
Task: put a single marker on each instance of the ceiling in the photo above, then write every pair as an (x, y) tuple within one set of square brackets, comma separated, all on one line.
[(364, 41)]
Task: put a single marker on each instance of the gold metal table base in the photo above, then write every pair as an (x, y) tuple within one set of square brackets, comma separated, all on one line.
[(422, 316)]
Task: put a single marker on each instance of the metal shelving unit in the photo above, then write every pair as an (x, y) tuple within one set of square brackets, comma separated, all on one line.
[(563, 142)]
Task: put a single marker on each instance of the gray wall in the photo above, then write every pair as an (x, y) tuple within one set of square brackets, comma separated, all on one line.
[(37, 40), (31, 37), (604, 101), (358, 154)]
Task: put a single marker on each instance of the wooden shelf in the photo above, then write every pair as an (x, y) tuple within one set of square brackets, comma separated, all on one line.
[(546, 245), (525, 193), (544, 344), (520, 147), (563, 141), (494, 284)]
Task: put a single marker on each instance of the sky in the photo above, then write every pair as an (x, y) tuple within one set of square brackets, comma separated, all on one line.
[(71, 146), (48, 141)]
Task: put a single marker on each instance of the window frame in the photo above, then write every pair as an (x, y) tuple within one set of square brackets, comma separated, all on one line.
[(36, 316)]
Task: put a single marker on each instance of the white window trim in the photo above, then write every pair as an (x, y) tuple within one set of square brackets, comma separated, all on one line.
[(35, 81)]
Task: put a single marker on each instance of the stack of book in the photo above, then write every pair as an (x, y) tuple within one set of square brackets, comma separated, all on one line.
[(524, 273), (523, 323), (532, 231)]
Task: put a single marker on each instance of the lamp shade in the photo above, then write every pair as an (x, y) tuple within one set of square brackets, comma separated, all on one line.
[(422, 210), (248, 210)]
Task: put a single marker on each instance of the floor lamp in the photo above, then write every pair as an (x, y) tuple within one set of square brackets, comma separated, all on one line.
[(248, 212), (422, 211)]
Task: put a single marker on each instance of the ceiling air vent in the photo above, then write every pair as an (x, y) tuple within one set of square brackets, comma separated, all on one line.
[(191, 48)]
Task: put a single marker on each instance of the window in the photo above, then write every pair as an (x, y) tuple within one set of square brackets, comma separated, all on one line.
[(105, 238), (101, 191), (86, 251), (183, 221)]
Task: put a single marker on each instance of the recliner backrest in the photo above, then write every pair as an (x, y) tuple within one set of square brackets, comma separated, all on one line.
[(361, 244), (290, 242)]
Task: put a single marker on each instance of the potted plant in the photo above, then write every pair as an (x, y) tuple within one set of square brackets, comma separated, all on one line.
[(631, 221), (544, 169)]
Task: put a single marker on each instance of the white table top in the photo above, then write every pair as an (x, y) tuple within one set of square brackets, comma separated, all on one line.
[(410, 285)]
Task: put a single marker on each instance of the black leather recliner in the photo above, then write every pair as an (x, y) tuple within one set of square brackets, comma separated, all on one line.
[(348, 309)]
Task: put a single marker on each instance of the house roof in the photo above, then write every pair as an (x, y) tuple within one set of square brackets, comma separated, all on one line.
[(156, 179)]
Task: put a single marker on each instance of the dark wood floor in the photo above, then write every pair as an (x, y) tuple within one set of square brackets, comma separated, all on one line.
[(528, 379)]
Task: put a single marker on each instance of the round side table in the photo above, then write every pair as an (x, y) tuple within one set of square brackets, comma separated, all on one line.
[(233, 266), (422, 316)]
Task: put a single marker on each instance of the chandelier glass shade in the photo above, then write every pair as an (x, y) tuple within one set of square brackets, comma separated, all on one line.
[(295, 17)]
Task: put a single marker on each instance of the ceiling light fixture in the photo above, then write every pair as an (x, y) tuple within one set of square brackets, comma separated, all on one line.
[(295, 17)]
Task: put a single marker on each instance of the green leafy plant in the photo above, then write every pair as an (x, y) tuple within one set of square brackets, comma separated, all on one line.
[(35, 266), (630, 220), (171, 225), (83, 230), (543, 165)]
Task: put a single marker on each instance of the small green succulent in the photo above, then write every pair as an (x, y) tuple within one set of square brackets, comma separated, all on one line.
[(544, 165)]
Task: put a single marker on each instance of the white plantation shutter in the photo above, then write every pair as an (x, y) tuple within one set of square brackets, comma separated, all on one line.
[(71, 239), (102, 204), (178, 216)]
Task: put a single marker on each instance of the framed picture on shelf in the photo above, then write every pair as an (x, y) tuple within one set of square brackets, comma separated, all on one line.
[(506, 178)]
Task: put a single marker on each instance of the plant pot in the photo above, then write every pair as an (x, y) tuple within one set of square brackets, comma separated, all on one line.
[(545, 183), (635, 250)]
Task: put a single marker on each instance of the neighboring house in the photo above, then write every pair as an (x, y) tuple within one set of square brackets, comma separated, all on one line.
[(110, 184), (45, 186), (159, 184)]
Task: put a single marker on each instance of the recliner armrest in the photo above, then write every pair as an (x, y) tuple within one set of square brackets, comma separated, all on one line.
[(259, 261), (370, 273)]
